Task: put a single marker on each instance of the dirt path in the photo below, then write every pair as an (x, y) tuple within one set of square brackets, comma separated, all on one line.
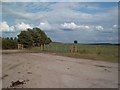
[(51, 71)]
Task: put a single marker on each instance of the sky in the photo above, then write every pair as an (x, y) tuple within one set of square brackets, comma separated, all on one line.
[(86, 22)]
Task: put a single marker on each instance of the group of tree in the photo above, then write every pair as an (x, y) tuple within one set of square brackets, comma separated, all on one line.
[(28, 38), (9, 43), (33, 37)]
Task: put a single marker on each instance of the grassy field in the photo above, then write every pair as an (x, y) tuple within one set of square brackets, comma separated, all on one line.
[(95, 52)]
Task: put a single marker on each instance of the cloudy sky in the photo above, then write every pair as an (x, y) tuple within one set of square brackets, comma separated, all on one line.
[(86, 22)]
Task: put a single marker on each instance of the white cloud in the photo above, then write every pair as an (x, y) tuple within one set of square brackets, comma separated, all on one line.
[(22, 26), (45, 25), (42, 24), (115, 26), (71, 25), (4, 27), (87, 27), (99, 28)]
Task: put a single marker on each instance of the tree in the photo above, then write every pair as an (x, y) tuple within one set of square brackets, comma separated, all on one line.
[(11, 38), (33, 37), (75, 42), (48, 41), (9, 43), (25, 38), (41, 37)]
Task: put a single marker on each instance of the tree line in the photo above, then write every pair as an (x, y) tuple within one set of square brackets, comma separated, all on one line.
[(9, 43), (29, 38)]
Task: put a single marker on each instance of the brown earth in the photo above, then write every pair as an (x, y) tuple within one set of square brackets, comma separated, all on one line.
[(51, 71)]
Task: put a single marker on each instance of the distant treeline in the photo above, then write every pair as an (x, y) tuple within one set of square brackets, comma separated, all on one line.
[(28, 38), (102, 44)]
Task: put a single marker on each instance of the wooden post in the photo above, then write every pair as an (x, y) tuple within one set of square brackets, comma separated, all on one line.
[(76, 48), (42, 47), (20, 46), (73, 48)]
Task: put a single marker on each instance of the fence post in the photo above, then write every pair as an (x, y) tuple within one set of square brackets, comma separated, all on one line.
[(73, 48), (20, 46)]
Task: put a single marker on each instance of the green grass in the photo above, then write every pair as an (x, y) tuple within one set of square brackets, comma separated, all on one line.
[(94, 52)]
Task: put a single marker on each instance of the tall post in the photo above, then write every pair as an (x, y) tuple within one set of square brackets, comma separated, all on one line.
[(20, 46), (74, 48), (42, 47)]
